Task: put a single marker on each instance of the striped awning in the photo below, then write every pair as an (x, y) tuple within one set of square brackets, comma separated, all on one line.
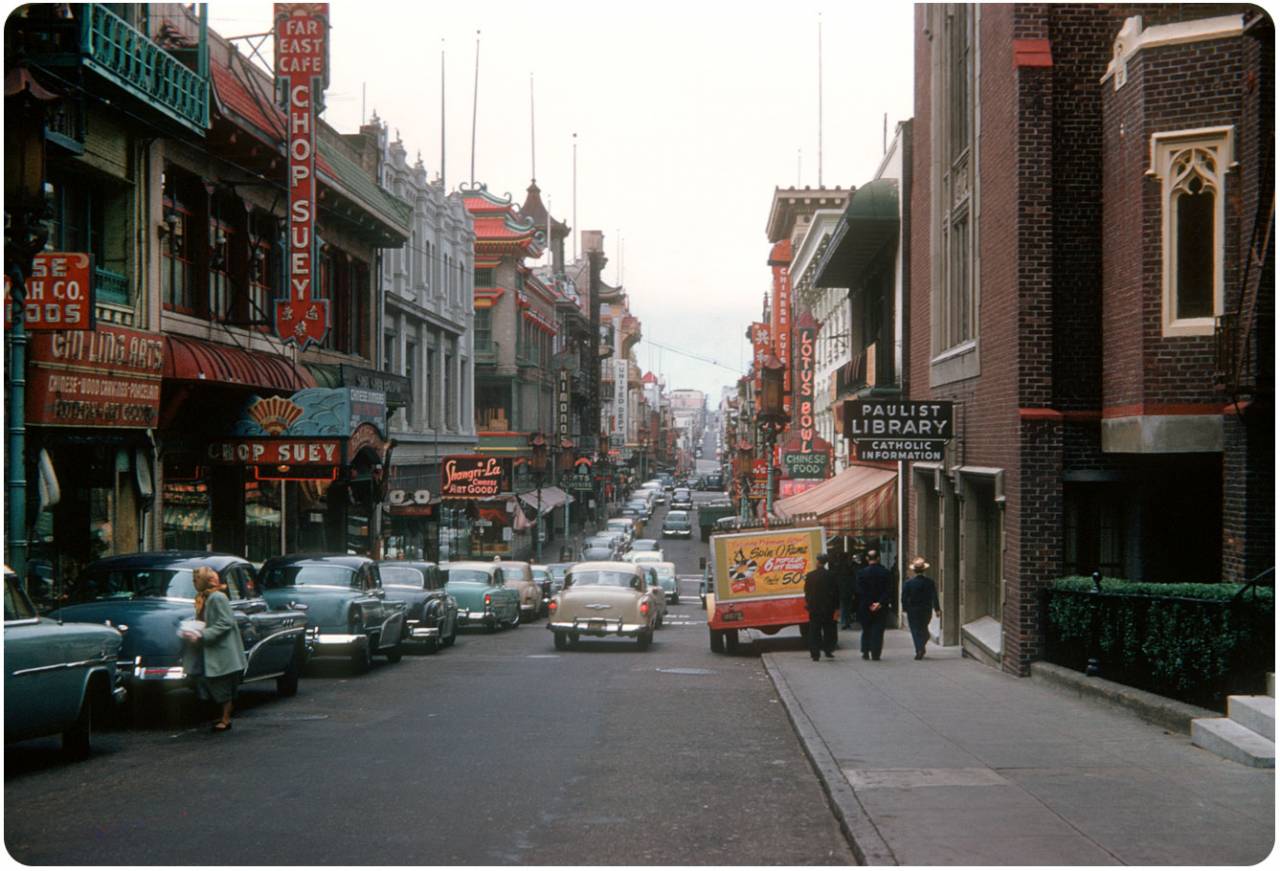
[(858, 500)]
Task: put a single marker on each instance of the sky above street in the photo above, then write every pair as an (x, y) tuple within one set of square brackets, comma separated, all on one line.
[(687, 115)]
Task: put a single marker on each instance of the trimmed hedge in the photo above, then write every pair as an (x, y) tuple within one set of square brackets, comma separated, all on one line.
[(1186, 641)]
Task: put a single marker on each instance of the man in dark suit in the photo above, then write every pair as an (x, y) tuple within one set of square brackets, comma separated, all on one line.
[(821, 598), (872, 589), (919, 600)]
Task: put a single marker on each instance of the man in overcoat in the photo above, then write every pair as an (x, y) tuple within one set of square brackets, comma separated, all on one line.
[(919, 600), (872, 589), (821, 598)]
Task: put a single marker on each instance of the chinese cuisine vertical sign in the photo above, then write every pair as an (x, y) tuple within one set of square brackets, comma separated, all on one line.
[(302, 62)]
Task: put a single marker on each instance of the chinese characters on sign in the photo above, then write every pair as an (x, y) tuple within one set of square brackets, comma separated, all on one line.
[(59, 293), (301, 40), (780, 260)]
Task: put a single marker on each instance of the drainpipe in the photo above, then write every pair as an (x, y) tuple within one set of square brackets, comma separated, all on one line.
[(15, 468)]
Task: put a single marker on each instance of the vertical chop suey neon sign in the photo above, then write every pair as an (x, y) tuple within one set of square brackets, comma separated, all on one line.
[(302, 61)]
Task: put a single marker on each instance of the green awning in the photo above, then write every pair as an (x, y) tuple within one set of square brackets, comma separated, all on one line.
[(868, 226)]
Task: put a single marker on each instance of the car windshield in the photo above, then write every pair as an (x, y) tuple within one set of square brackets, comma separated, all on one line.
[(558, 572), (601, 578), (620, 525), (140, 583), (467, 576), (665, 572), (646, 544), (402, 576), (676, 523), (306, 575)]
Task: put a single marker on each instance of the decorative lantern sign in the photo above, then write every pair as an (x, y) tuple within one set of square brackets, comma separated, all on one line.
[(302, 62)]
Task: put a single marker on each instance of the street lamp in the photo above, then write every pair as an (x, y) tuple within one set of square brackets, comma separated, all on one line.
[(773, 417), (745, 454), (538, 447)]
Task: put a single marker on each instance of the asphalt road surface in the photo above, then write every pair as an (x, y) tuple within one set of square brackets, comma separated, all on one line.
[(499, 750)]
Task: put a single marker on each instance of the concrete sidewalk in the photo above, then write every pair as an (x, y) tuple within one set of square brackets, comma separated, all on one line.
[(945, 761)]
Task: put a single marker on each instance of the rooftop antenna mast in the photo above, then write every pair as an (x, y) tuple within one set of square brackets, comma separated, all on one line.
[(575, 197), (475, 97), (819, 99), (443, 184), (533, 142)]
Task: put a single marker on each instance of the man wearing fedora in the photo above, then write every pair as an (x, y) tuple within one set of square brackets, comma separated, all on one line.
[(919, 598)]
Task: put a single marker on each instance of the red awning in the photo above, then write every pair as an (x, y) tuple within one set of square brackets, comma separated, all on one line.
[(859, 499), (187, 359)]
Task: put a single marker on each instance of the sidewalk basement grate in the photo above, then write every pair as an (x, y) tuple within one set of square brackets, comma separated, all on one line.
[(685, 670)]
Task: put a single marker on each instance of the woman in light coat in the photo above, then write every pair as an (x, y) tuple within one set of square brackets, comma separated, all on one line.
[(219, 645)]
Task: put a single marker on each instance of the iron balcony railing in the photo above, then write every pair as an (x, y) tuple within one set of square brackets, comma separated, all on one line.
[(111, 286), (118, 52)]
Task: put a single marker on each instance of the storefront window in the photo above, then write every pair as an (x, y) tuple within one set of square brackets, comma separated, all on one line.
[(186, 516), (262, 519)]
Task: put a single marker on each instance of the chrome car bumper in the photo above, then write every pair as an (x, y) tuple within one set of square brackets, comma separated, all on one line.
[(598, 627), (136, 671), (335, 639), (423, 632), (468, 617)]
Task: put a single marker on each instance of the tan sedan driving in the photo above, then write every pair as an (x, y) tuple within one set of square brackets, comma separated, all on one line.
[(601, 599)]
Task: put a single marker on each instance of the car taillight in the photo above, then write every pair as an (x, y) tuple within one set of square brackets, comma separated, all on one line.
[(551, 606), (644, 607), (488, 599)]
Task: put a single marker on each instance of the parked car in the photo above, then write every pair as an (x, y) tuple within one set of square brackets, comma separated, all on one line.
[(431, 614), (598, 553), (637, 514), (677, 525), (669, 581), (682, 499), (518, 575), (59, 678), (146, 595), (482, 596), (644, 544), (346, 604), (603, 599)]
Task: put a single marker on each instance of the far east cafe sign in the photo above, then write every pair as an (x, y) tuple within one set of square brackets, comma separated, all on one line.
[(302, 62)]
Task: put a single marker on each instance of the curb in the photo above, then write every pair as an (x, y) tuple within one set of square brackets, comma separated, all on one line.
[(1166, 713), (869, 848)]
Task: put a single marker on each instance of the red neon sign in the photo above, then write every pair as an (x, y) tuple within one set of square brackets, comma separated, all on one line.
[(301, 37)]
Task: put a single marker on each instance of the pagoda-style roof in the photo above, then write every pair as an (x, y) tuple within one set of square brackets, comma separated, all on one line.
[(500, 227), (535, 210)]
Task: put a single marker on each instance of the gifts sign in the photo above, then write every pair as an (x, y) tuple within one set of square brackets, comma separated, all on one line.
[(302, 62)]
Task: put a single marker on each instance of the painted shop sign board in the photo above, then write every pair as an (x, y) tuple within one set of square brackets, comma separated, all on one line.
[(804, 465), (471, 476), (302, 61), (108, 377), (59, 293), (894, 450), (902, 420)]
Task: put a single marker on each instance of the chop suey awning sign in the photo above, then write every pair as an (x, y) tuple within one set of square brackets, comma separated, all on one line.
[(302, 61)]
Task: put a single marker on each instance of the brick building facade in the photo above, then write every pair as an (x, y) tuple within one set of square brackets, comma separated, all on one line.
[(1090, 182)]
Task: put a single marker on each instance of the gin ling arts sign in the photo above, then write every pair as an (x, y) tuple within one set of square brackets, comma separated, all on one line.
[(302, 62)]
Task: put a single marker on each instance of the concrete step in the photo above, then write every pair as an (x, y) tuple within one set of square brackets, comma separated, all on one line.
[(1230, 740), (1256, 713), (1271, 684)]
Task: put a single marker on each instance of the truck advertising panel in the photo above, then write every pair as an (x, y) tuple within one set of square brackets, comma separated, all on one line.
[(764, 563)]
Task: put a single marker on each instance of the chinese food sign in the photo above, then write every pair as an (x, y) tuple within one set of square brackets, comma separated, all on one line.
[(302, 61)]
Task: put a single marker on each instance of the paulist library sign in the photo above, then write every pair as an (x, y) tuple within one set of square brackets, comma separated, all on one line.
[(899, 430)]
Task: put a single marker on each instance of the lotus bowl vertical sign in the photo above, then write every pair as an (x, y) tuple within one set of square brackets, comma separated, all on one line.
[(302, 62)]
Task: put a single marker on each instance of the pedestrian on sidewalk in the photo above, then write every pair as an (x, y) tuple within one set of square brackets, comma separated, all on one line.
[(821, 598), (217, 651), (844, 571), (919, 599), (872, 590)]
